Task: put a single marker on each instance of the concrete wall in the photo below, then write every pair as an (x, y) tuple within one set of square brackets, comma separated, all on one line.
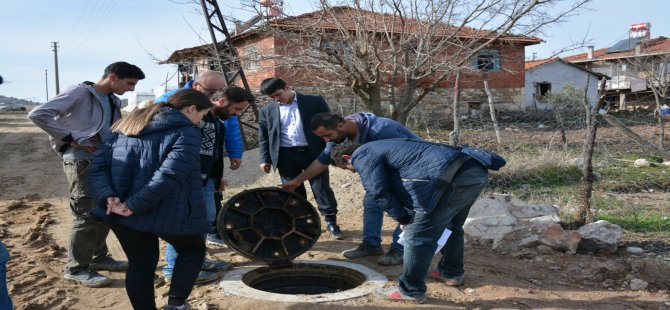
[(559, 75)]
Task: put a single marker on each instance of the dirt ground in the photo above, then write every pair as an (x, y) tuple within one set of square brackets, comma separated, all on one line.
[(35, 219)]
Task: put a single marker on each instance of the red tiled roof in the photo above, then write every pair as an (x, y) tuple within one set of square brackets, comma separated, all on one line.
[(534, 63), (348, 17), (656, 46), (191, 52)]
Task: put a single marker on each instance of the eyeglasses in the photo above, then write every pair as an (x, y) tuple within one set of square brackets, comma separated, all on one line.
[(209, 91)]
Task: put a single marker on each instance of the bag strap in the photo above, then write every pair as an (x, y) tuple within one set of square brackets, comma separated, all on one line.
[(455, 165), (110, 97)]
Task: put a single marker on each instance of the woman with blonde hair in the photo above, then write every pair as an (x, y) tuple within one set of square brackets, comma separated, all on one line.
[(146, 181)]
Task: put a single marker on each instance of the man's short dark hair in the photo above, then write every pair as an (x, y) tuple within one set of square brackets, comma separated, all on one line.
[(234, 94), (344, 148), (271, 85), (124, 70), (326, 120)]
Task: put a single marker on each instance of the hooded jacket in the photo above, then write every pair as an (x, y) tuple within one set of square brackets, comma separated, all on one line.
[(157, 175), (73, 115)]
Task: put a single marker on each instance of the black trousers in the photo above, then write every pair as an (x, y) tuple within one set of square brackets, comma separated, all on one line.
[(142, 251), (293, 161)]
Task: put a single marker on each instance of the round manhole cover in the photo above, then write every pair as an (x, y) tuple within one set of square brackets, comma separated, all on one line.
[(269, 224)]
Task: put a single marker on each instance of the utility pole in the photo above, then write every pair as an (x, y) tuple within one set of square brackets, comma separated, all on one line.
[(55, 46), (46, 82)]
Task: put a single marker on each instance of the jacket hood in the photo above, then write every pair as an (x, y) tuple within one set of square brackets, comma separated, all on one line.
[(167, 119)]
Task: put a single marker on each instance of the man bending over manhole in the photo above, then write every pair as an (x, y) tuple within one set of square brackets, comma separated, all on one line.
[(427, 188)]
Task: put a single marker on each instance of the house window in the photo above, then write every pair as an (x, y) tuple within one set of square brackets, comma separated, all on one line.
[(542, 89), (251, 58), (486, 60)]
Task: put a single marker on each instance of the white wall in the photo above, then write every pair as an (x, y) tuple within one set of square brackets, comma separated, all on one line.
[(558, 74)]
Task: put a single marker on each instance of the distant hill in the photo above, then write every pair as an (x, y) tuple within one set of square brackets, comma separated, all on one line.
[(4, 99)]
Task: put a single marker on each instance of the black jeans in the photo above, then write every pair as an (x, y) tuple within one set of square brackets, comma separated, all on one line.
[(293, 161), (142, 251)]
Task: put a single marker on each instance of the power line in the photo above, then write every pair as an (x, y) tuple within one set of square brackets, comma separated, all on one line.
[(104, 14), (86, 22), (76, 23)]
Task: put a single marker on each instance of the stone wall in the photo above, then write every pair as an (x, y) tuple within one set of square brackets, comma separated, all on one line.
[(435, 108)]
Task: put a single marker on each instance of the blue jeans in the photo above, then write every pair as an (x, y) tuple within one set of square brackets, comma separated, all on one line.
[(373, 218), (170, 252), (5, 301), (422, 233)]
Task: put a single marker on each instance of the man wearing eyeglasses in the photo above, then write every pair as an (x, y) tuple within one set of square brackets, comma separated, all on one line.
[(217, 130)]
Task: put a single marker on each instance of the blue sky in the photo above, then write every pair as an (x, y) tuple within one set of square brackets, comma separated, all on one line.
[(94, 33)]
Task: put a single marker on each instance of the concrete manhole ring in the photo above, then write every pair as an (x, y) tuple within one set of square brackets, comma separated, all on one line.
[(233, 284)]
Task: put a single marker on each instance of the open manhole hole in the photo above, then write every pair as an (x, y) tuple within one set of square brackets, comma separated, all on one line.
[(276, 226), (310, 279)]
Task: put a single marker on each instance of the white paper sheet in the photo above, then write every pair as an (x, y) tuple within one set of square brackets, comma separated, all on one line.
[(440, 242)]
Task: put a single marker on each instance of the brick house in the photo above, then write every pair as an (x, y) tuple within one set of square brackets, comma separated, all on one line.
[(629, 63), (264, 50)]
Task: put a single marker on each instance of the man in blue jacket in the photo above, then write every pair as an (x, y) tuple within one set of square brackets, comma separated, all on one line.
[(361, 128), (427, 188), (218, 128)]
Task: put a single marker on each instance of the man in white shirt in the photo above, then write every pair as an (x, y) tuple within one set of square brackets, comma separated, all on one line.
[(287, 143)]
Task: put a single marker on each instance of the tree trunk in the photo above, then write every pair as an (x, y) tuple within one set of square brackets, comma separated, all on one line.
[(401, 117), (659, 118), (561, 127), (493, 111), (586, 190), (453, 136), (375, 95)]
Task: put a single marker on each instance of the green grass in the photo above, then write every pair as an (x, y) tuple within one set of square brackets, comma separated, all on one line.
[(604, 203), (638, 223), (559, 182), (624, 178), (538, 180)]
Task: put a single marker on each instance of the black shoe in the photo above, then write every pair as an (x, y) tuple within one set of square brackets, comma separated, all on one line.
[(363, 250), (109, 264), (185, 306), (334, 231), (392, 257)]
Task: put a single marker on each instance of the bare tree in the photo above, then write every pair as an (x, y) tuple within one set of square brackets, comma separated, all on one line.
[(410, 48), (588, 177), (655, 71)]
